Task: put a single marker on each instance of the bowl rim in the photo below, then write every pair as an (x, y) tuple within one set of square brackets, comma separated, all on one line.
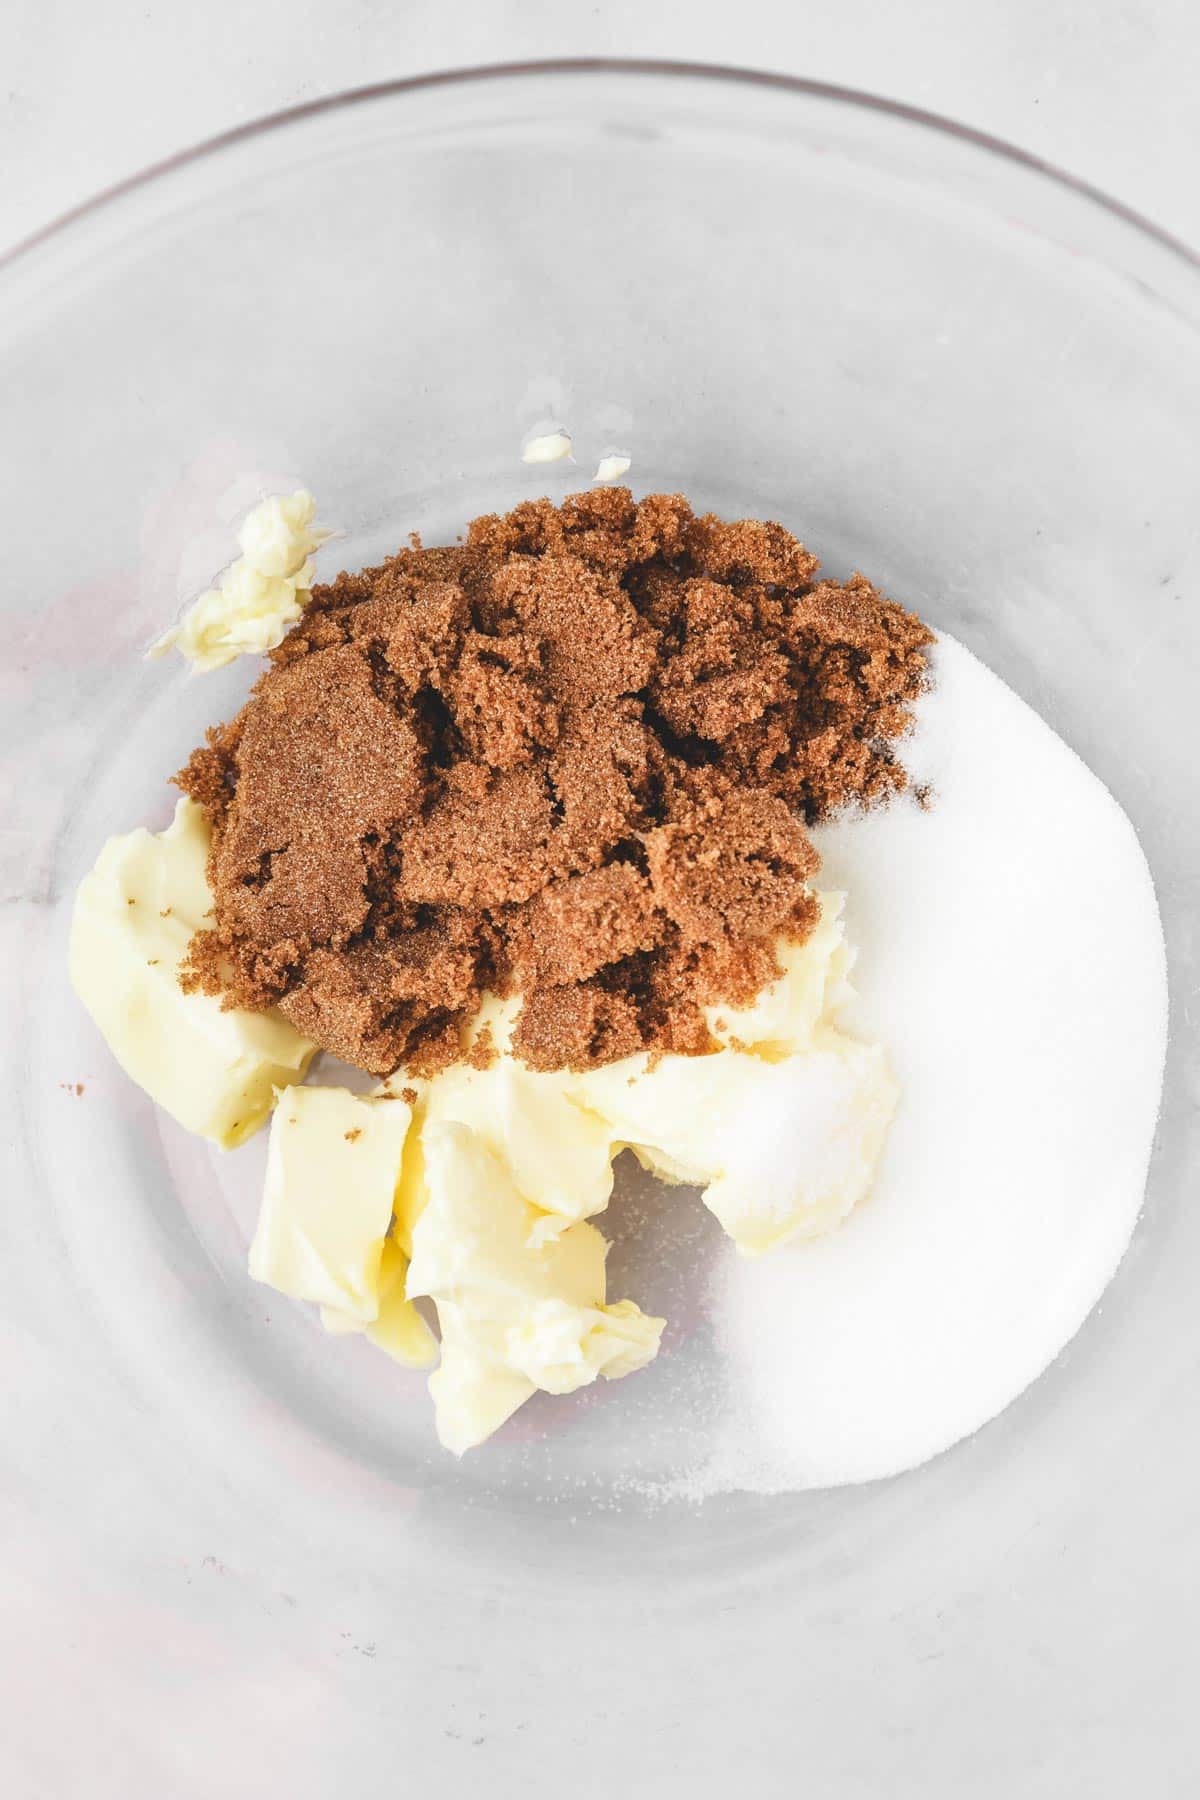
[(566, 67)]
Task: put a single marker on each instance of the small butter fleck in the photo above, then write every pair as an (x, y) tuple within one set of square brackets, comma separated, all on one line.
[(550, 446), (260, 594), (613, 466)]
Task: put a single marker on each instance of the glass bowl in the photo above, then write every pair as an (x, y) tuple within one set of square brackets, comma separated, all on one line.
[(232, 1541)]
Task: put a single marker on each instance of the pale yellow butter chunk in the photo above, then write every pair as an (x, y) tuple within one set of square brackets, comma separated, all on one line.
[(246, 616), (548, 447), (814, 982), (781, 1149), (515, 1313), (278, 536), (212, 1069), (559, 1346), (612, 467), (472, 1396), (260, 595), (400, 1330), (398, 1327), (783, 1127), (332, 1168), (558, 1153)]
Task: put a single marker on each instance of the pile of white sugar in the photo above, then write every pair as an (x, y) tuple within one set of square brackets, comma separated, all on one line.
[(1011, 961)]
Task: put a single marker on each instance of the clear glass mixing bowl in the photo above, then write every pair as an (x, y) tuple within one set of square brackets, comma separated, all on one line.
[(238, 1551)]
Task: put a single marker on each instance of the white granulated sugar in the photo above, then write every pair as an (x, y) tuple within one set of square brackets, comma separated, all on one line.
[(1011, 961)]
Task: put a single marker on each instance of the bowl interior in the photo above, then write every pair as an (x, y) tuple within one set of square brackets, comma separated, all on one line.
[(933, 362)]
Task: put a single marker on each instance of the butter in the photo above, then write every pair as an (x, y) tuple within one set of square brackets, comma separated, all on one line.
[(215, 1071), (489, 1190), (612, 467), (260, 595), (814, 983), (781, 1149), (332, 1165), (558, 1346), (557, 1151), (399, 1329), (516, 1315), (278, 536), (783, 1126), (547, 447)]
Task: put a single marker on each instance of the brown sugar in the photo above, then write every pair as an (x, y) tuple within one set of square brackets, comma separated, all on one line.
[(573, 758)]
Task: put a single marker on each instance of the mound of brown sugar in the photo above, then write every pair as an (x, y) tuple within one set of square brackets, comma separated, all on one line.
[(573, 757)]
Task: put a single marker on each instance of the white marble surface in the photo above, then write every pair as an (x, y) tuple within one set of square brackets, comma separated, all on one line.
[(93, 90)]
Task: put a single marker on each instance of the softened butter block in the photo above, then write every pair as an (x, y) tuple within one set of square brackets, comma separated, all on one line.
[(780, 1149), (215, 1071), (332, 1168), (398, 1328), (812, 984), (515, 1316)]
